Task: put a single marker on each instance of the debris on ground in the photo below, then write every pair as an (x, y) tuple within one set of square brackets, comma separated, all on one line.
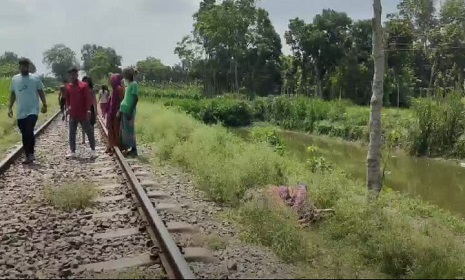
[(296, 198)]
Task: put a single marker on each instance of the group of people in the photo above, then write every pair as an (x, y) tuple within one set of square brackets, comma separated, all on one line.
[(120, 112), (78, 104)]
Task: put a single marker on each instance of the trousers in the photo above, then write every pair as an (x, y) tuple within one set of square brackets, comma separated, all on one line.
[(86, 127), (26, 126)]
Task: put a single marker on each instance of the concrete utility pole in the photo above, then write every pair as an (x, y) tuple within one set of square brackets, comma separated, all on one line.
[(374, 176)]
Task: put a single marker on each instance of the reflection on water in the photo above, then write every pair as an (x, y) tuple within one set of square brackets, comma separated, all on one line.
[(436, 181)]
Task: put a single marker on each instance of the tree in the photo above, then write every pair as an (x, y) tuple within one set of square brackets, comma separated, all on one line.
[(98, 61), (188, 52), (374, 176), (320, 46), (60, 59), (154, 70), (450, 43), (192, 57), (400, 78), (263, 58), (9, 65), (233, 46), (420, 14), (88, 52)]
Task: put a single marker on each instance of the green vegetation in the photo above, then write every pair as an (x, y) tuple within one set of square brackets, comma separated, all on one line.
[(98, 61), (230, 112), (331, 54), (5, 89), (269, 136), (234, 47), (9, 65), (397, 237), (155, 91), (9, 134), (71, 195), (432, 127)]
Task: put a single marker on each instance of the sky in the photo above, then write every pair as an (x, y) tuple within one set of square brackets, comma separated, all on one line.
[(136, 29)]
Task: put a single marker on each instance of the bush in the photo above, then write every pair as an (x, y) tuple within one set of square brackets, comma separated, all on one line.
[(439, 127), (155, 92), (431, 128), (229, 112), (334, 118)]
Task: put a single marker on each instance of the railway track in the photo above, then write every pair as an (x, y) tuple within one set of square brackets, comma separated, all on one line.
[(121, 231)]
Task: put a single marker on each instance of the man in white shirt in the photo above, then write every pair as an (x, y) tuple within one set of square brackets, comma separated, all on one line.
[(26, 89)]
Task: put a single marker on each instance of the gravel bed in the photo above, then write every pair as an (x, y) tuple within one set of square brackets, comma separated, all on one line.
[(123, 190), (124, 221), (38, 240), (106, 206), (237, 259)]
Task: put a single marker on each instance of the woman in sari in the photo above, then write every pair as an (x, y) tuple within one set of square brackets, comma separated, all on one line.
[(127, 113), (113, 117)]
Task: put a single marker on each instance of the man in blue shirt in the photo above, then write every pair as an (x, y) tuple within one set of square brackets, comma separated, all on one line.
[(26, 89)]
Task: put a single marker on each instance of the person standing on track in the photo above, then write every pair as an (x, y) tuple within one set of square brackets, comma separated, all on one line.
[(127, 113), (113, 120), (62, 102), (26, 89), (103, 99), (93, 107), (78, 103)]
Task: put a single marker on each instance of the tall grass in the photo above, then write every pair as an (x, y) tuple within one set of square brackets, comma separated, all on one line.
[(398, 237), (439, 128), (5, 85), (71, 195), (334, 118), (170, 91), (429, 128)]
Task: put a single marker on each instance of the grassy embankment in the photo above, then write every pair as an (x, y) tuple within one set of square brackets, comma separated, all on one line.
[(398, 237), (430, 128), (9, 134)]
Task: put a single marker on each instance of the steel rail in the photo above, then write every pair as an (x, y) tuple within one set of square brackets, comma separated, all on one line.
[(16, 153), (170, 255)]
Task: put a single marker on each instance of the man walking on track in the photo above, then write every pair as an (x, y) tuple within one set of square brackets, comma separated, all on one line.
[(78, 102), (26, 89)]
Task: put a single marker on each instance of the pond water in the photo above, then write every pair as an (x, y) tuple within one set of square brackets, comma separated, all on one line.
[(437, 181)]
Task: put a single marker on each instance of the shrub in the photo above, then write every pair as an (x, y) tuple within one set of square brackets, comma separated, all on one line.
[(154, 92), (72, 195), (270, 136), (229, 112), (438, 127)]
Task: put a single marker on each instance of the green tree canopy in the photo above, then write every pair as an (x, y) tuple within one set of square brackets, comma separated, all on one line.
[(98, 61), (60, 59)]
